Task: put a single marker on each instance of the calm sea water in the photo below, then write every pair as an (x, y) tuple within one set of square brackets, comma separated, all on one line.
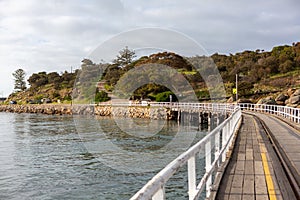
[(54, 157)]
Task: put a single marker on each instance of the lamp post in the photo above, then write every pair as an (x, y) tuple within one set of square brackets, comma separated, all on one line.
[(236, 86)]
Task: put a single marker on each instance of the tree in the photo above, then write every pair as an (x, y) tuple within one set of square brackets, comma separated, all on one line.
[(20, 84), (286, 66), (101, 96), (125, 57), (37, 80), (54, 77), (245, 87)]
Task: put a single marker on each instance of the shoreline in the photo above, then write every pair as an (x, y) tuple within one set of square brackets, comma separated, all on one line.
[(100, 110)]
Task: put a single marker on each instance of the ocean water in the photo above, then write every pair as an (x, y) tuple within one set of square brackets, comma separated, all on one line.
[(87, 157)]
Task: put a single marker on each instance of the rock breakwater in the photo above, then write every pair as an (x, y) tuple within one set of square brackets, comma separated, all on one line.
[(41, 109), (112, 111)]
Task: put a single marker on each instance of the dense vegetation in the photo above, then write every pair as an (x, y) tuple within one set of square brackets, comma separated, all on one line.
[(259, 72), (51, 86)]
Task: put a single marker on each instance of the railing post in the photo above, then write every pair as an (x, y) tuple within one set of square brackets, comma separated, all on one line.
[(224, 139), (160, 194), (192, 177), (228, 134), (285, 114), (294, 115), (208, 166), (217, 147)]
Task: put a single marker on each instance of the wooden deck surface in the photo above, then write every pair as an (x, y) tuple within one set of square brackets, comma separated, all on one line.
[(288, 138), (254, 171)]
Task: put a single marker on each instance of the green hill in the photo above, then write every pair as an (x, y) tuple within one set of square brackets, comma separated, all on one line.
[(260, 73)]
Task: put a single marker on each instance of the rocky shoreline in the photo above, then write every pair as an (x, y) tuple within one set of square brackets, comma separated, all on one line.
[(111, 111), (290, 98)]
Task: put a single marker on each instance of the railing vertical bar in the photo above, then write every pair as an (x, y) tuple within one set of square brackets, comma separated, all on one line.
[(192, 177), (217, 146), (208, 166), (228, 133), (224, 139)]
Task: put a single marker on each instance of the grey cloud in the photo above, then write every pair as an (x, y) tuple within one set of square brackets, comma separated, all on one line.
[(145, 39), (57, 34)]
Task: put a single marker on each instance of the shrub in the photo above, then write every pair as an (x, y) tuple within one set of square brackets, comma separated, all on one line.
[(165, 97), (101, 96)]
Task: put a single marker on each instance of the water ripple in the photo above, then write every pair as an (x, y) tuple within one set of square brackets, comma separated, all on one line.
[(42, 157)]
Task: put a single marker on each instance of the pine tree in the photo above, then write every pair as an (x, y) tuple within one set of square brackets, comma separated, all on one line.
[(20, 84), (125, 57)]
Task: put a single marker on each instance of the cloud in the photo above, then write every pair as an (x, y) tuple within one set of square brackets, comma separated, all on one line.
[(53, 35), (224, 26)]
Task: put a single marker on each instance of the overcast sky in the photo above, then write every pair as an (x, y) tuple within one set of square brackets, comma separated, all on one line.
[(55, 35)]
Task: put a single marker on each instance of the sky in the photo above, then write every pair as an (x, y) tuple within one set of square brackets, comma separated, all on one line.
[(55, 35)]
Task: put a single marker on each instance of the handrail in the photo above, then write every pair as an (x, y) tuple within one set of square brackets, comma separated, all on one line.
[(293, 114), (222, 137), (215, 107)]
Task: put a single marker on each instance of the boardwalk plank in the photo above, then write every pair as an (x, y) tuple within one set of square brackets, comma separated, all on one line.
[(248, 197), (258, 168), (248, 187), (249, 169), (249, 154), (261, 197), (260, 185), (237, 183), (235, 197), (241, 156)]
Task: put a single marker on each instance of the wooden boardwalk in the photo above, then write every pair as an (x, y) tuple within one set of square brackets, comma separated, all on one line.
[(288, 139), (254, 171)]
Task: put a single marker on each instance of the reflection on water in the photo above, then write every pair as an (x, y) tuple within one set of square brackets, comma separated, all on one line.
[(43, 157)]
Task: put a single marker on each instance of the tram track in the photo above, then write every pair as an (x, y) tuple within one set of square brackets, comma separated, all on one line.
[(287, 173)]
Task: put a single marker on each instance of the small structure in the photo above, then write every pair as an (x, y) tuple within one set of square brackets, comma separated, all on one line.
[(46, 100), (2, 99)]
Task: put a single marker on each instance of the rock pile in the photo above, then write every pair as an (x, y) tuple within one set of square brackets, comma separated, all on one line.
[(268, 100), (290, 98), (59, 109), (41, 109), (293, 99)]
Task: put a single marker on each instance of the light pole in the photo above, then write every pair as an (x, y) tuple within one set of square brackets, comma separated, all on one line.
[(236, 86)]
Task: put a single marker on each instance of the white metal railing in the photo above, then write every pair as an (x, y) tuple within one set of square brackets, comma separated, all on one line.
[(293, 114), (215, 107), (217, 142)]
